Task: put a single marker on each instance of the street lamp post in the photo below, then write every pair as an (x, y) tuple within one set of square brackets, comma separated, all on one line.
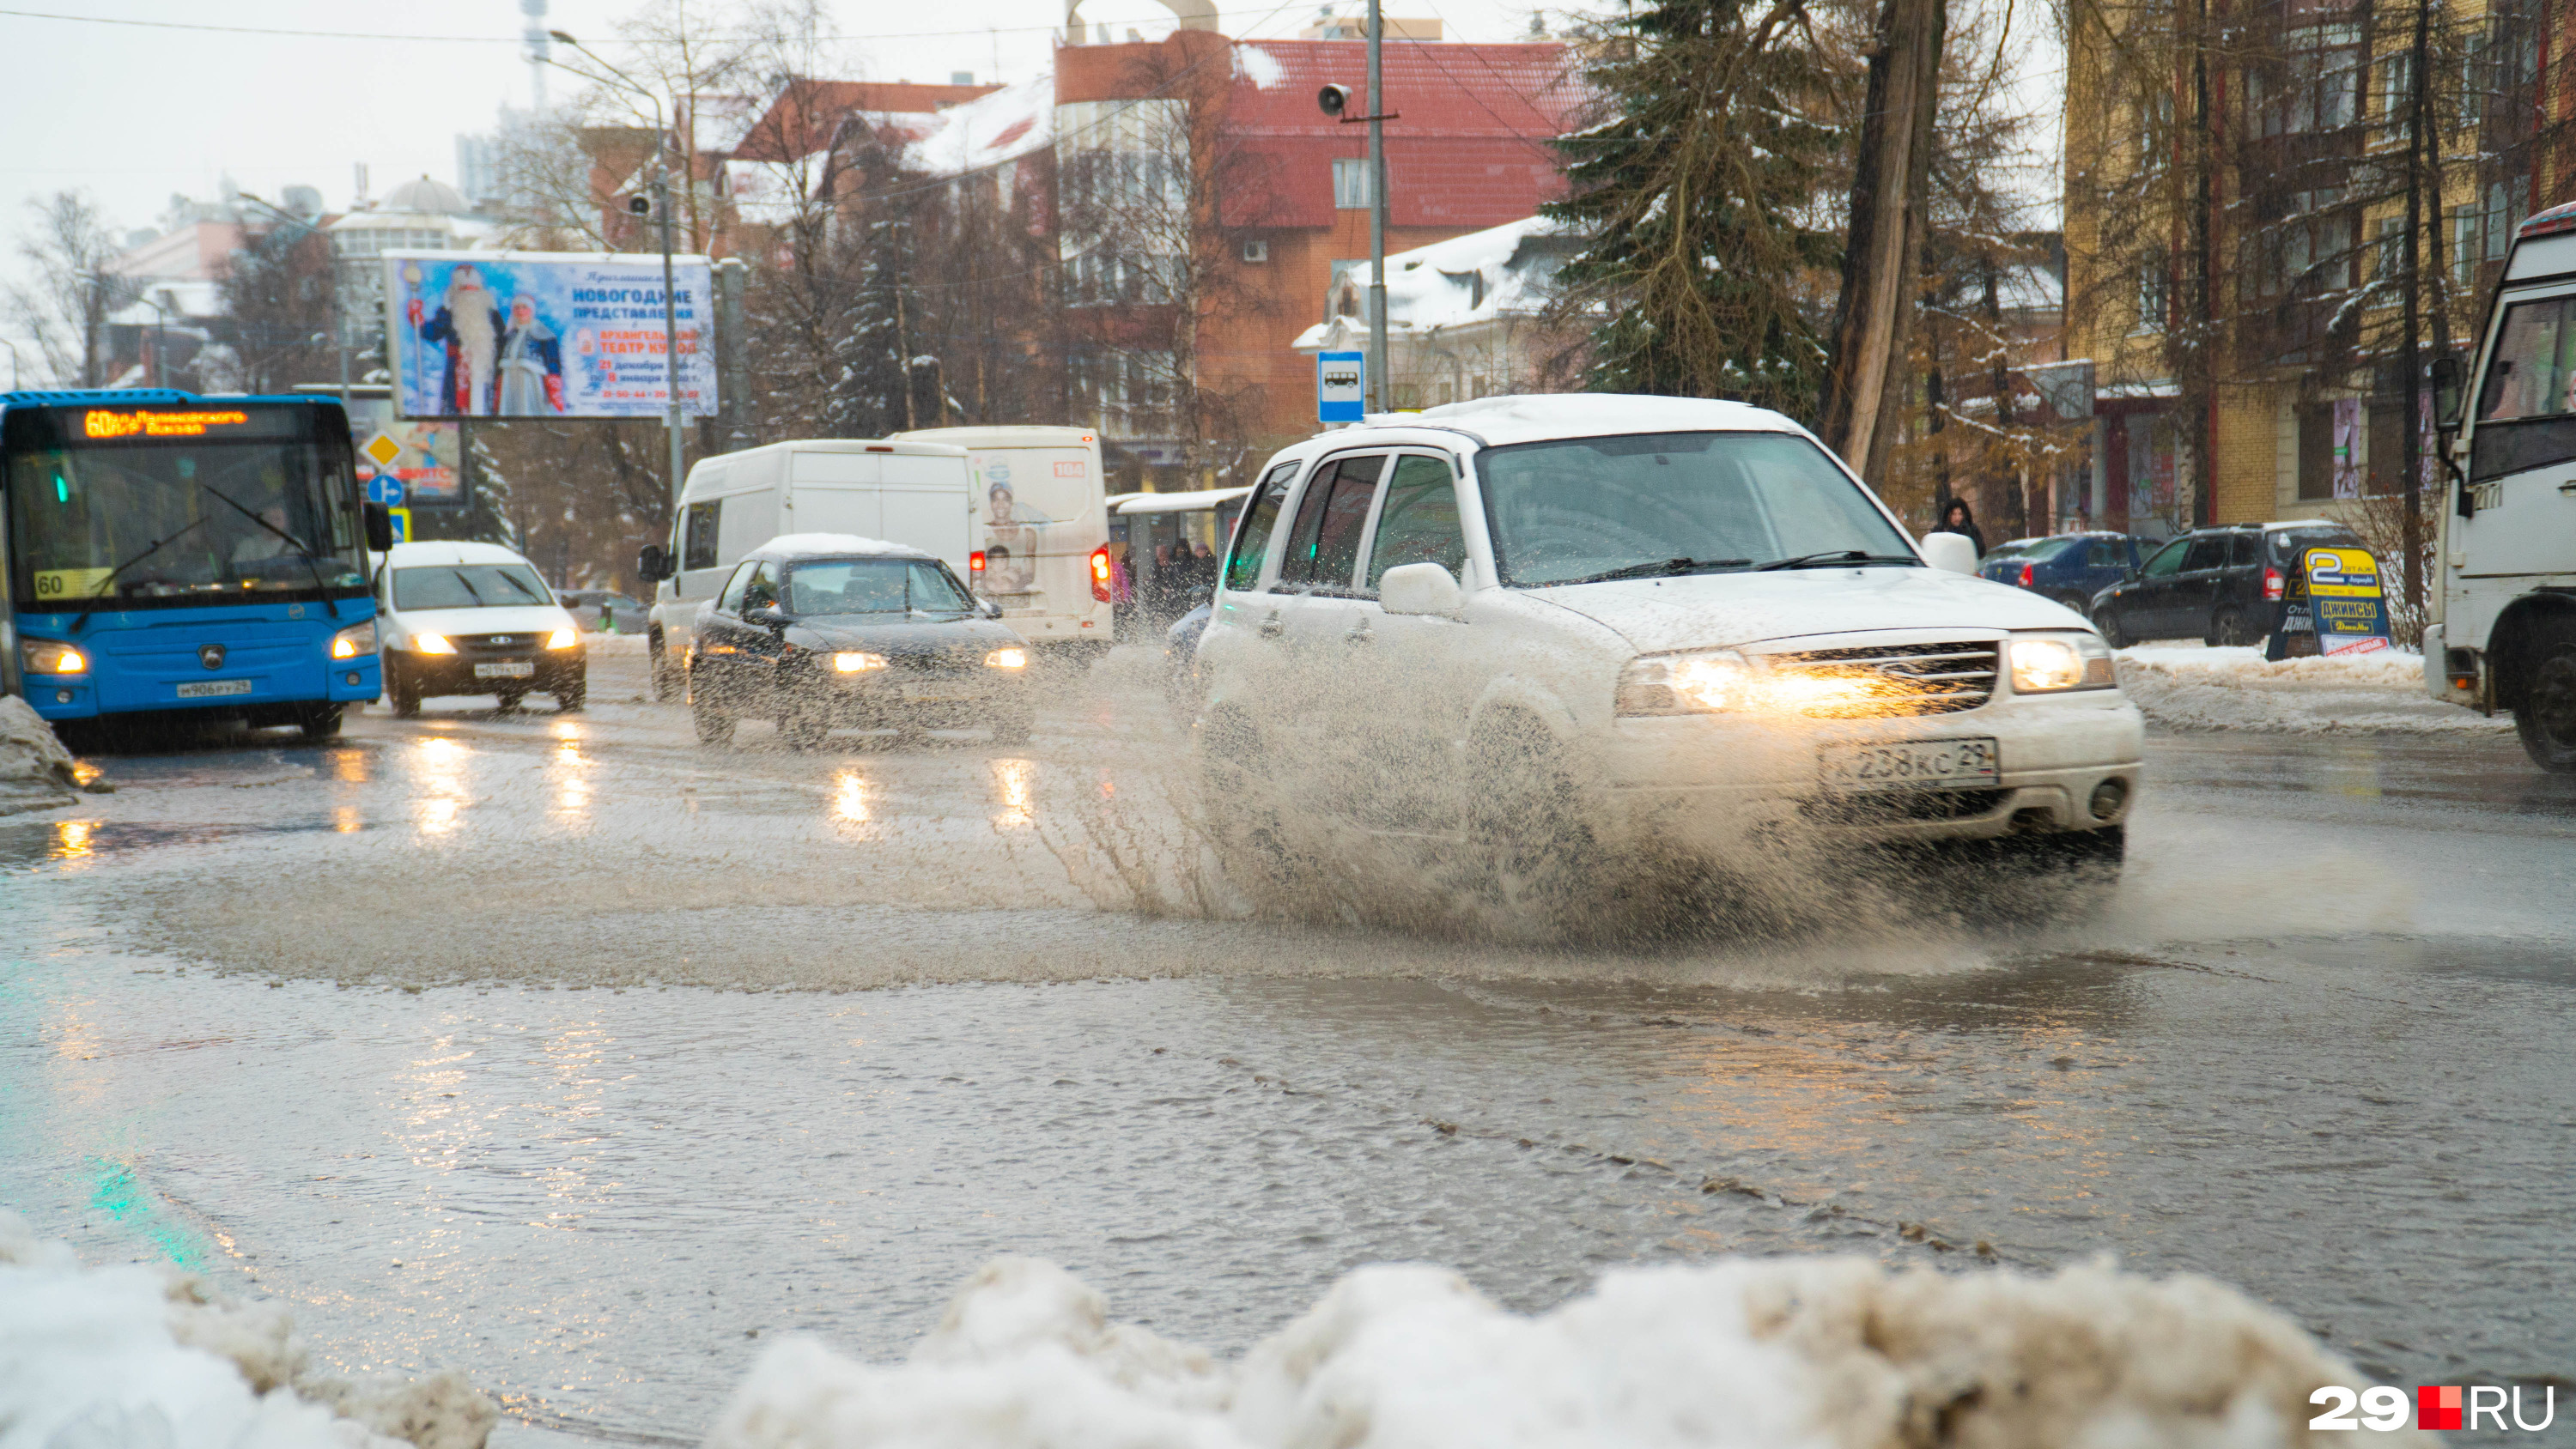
[(661, 194)]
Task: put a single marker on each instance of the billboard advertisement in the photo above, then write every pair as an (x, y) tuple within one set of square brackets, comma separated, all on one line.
[(405, 463), (545, 334)]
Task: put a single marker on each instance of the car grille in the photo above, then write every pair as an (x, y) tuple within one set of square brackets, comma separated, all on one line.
[(1895, 805), (1896, 679), (942, 664), (497, 643)]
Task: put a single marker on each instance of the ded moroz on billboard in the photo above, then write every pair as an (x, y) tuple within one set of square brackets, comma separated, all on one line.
[(544, 334)]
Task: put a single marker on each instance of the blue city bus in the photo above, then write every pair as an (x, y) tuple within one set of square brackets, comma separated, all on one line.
[(174, 557)]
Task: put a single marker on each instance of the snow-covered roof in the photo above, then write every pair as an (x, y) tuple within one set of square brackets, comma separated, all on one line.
[(407, 555), (1533, 418), (774, 193), (1472, 278), (1258, 66), (987, 131), (790, 546)]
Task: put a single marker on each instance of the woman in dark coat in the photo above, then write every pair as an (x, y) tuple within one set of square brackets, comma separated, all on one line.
[(1957, 519)]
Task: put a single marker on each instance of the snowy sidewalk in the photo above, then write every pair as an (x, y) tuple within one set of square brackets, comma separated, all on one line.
[(2182, 686)]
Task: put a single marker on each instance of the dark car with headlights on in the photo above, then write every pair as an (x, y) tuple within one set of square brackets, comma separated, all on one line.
[(821, 632)]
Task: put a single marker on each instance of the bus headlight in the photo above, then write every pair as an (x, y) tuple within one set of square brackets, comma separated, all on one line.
[(2055, 663), (1012, 658), (562, 639), (46, 656), (856, 662), (355, 640), (431, 644)]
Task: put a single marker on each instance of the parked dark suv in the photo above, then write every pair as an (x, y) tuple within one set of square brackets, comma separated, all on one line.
[(2068, 567), (2223, 584)]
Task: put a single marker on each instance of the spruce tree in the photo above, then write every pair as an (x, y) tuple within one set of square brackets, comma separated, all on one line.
[(1700, 194)]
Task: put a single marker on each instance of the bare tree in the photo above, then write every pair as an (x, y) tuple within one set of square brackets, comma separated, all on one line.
[(67, 247)]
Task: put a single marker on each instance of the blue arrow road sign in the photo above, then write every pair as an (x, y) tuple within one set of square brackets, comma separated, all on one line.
[(386, 489)]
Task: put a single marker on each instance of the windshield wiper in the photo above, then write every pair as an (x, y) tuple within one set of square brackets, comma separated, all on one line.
[(1661, 566), (292, 541), (158, 544), (1832, 557)]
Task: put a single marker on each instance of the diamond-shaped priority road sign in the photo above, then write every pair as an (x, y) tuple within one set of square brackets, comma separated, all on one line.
[(383, 449)]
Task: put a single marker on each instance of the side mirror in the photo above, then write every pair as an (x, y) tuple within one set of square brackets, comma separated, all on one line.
[(380, 527), (2448, 374), (767, 616), (652, 564), (1420, 588), (1950, 551)]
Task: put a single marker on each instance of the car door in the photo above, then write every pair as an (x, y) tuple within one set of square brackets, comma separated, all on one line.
[(728, 666), (1317, 605), (2146, 603), (1411, 670), (2193, 591), (1240, 639)]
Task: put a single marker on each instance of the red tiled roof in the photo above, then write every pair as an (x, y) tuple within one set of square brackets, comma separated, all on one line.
[(805, 114)]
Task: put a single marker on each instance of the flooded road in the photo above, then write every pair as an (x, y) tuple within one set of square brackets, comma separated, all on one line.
[(526, 1046)]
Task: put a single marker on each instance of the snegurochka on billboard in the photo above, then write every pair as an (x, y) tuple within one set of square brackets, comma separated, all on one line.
[(545, 334)]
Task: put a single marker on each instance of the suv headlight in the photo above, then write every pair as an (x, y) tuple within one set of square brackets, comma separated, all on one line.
[(49, 656), (355, 640), (1701, 682), (1010, 657), (563, 639), (2055, 663), (431, 644), (855, 661)]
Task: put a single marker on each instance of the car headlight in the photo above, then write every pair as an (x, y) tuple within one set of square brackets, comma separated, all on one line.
[(355, 640), (1010, 658), (854, 662), (431, 644), (2055, 663), (1701, 682), (47, 656), (563, 639)]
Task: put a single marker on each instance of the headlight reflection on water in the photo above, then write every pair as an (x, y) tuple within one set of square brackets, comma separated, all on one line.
[(1015, 785), (850, 797), (444, 765)]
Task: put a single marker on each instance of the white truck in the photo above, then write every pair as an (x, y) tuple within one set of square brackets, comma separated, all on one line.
[(915, 493), (1040, 537), (2503, 629)]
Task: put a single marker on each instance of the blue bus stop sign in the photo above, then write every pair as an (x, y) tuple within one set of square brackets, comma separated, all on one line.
[(1341, 387), (386, 489)]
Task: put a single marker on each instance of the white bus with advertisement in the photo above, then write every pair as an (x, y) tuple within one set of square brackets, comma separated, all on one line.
[(1040, 543), (2502, 634), (916, 494)]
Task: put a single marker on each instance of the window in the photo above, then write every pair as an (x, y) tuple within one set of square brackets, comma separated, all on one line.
[(2388, 259), (731, 600), (2535, 362), (2464, 248), (2168, 562), (2102, 554), (698, 535), (874, 586), (2207, 552), (1325, 549), (1243, 566), (2153, 298), (762, 591), (1585, 508), (1351, 191), (2316, 86), (1418, 522), (2499, 224), (2244, 551), (2396, 93), (2155, 132), (1256, 250)]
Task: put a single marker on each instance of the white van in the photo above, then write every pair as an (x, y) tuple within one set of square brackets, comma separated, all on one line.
[(1041, 532), (913, 493)]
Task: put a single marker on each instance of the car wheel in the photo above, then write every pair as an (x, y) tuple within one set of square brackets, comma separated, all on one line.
[(2226, 628), (319, 722), (666, 678), (1524, 825), (402, 691), (2073, 601), (714, 726), (2546, 718), (2114, 633)]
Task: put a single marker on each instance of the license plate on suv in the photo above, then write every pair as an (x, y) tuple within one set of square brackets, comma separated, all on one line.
[(505, 669), (1911, 765)]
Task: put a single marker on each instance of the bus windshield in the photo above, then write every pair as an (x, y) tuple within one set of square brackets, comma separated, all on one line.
[(199, 518)]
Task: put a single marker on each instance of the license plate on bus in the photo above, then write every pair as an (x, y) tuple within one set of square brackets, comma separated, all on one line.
[(213, 688), (506, 669), (1911, 765), (936, 694)]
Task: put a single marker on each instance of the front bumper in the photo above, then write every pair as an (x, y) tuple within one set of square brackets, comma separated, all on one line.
[(551, 671), (866, 701), (1713, 784)]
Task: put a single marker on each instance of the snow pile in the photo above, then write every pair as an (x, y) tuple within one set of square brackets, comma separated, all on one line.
[(1015, 121), (1834, 1353), (135, 1357), (35, 769), (1473, 278), (2189, 687)]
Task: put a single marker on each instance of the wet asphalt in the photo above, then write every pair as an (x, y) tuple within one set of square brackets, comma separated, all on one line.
[(565, 1053)]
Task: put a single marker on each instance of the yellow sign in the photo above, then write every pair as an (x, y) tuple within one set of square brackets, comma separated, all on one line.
[(383, 449), (99, 423), (70, 583), (402, 524), (2342, 573)]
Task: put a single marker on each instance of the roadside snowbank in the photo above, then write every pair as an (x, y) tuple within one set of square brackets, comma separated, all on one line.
[(2192, 687), (135, 1357), (1833, 1353), (35, 769)]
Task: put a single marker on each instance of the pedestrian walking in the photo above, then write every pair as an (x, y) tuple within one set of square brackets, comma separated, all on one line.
[(1957, 519)]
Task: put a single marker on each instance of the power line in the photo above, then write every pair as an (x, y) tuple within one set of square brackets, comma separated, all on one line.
[(517, 40)]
